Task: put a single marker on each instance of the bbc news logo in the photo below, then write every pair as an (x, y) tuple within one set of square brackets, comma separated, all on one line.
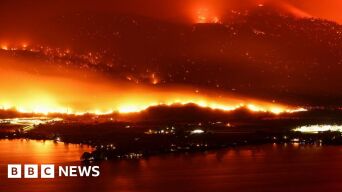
[(32, 171)]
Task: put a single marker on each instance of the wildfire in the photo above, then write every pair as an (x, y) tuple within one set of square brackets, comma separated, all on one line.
[(154, 79), (138, 105), (31, 92), (4, 47), (204, 15)]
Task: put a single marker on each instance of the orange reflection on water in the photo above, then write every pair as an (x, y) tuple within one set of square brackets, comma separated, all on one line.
[(34, 151)]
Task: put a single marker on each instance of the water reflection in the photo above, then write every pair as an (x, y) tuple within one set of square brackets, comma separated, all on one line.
[(266, 168), (34, 151)]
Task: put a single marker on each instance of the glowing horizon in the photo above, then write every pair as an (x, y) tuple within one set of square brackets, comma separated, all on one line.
[(135, 107)]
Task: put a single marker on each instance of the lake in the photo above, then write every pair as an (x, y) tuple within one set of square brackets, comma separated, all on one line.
[(272, 167)]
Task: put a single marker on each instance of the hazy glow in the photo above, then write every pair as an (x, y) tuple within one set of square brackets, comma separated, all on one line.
[(137, 105), (319, 128), (206, 14), (130, 100), (58, 95)]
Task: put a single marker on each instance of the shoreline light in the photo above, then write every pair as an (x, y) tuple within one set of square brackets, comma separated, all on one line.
[(318, 128), (197, 131)]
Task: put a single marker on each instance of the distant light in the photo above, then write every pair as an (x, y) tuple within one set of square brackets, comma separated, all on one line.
[(154, 79), (276, 110), (215, 20), (204, 15), (318, 128), (58, 139), (197, 131), (24, 46), (4, 47)]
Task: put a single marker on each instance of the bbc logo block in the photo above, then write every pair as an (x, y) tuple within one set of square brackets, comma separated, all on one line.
[(47, 171), (14, 171), (30, 171), (33, 171)]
